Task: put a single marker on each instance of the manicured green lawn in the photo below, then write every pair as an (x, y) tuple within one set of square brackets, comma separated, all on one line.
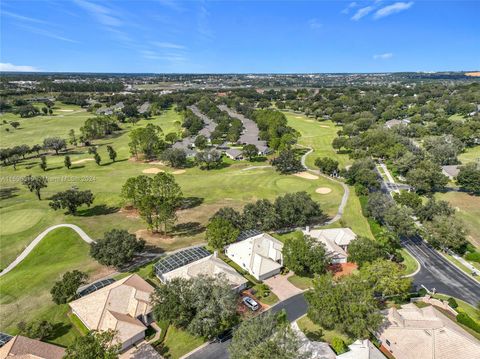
[(317, 333), (409, 263), (178, 343), (26, 289), (471, 154), (301, 282), (464, 307), (468, 210)]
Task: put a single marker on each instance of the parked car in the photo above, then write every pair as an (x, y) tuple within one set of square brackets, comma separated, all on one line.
[(250, 303)]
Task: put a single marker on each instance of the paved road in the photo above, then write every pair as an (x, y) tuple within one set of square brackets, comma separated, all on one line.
[(295, 307), (37, 240), (437, 272), (346, 190)]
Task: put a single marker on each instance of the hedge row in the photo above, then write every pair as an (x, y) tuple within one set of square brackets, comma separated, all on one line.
[(465, 319)]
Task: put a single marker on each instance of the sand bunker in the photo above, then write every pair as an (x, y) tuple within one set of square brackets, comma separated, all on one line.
[(323, 190), (298, 117), (178, 172), (306, 175), (82, 161), (324, 126), (65, 110), (152, 170)]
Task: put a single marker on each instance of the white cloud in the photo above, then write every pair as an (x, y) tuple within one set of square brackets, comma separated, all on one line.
[(5, 66), (385, 56), (314, 24), (364, 11), (392, 9), (47, 33), (349, 7), (101, 13), (23, 18), (167, 45)]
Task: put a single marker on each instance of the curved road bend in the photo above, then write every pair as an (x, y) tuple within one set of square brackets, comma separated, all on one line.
[(37, 240), (295, 307), (437, 272)]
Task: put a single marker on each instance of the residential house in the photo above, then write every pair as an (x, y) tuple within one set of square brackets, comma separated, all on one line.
[(393, 123), (123, 306), (258, 253), (336, 241), (144, 108), (312, 349), (362, 349), (193, 262), (425, 333), (451, 171), (234, 153), (25, 348)]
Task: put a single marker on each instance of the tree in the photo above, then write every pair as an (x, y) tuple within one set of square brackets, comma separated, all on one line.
[(38, 329), (204, 306), (97, 158), (45, 110), (112, 154), (15, 124), (265, 336), (409, 199), (211, 158), (36, 148), (35, 184), (147, 141), (27, 110), (260, 215), (362, 172), (363, 250), (447, 232), (426, 177), (386, 278), (305, 256), (171, 137), (296, 210), (156, 199), (67, 162), (377, 205), (250, 151), (66, 289), (399, 219), (72, 137), (71, 199), (346, 304), (221, 232), (469, 178), (287, 162), (130, 111), (43, 163), (434, 208), (177, 157), (98, 345), (230, 215), (327, 165), (201, 142), (444, 149), (14, 159), (55, 143), (117, 248)]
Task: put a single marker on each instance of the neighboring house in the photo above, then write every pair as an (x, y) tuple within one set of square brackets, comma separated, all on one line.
[(105, 111), (336, 241), (393, 123), (144, 108), (451, 171), (234, 154), (362, 349), (193, 262), (117, 107), (258, 253), (123, 306), (312, 349), (425, 333), (25, 348)]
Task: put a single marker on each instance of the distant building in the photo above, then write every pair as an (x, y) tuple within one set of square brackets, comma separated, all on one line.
[(234, 154), (258, 253), (144, 108), (451, 171), (336, 241), (393, 123), (123, 306), (21, 347), (312, 349), (426, 333)]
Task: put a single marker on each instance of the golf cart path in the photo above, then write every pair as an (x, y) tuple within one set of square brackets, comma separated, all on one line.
[(346, 190), (37, 240)]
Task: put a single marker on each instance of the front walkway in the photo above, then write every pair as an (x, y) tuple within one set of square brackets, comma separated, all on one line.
[(280, 285)]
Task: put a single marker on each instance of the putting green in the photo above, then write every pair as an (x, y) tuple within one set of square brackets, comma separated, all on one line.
[(292, 184), (20, 220)]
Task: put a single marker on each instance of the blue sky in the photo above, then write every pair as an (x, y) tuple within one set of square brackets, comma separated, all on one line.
[(239, 36)]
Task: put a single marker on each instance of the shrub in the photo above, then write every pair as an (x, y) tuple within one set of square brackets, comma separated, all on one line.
[(465, 319), (452, 302), (339, 345), (422, 292), (473, 256)]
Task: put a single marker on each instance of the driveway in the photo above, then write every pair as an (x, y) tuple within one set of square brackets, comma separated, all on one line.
[(280, 285)]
